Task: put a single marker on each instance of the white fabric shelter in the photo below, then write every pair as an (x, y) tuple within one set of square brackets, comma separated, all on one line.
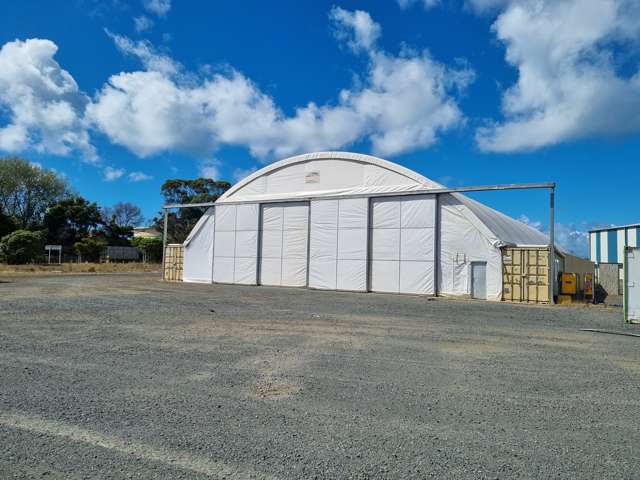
[(198, 250), (319, 220), (285, 238)]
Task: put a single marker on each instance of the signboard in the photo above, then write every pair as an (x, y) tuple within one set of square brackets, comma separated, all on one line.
[(54, 248)]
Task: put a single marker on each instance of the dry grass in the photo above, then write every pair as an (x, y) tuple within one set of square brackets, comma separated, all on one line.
[(79, 268)]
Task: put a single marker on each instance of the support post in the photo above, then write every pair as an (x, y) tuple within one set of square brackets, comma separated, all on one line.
[(552, 242), (369, 242), (309, 245), (164, 240), (436, 246)]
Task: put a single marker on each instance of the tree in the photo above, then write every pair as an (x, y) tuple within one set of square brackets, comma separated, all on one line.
[(26, 190), (193, 191), (22, 246), (151, 248), (70, 220), (89, 249), (114, 234), (124, 214), (8, 224), (200, 190)]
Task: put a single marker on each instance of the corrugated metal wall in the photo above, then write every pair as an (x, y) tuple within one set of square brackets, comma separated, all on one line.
[(607, 246)]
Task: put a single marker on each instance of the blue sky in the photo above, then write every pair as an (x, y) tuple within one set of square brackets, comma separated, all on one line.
[(121, 95)]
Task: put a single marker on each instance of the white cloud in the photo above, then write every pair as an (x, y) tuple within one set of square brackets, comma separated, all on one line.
[(403, 102), (242, 173), (157, 7), (537, 224), (139, 177), (148, 56), (485, 6), (44, 105), (149, 113), (142, 24), (356, 28), (210, 169), (569, 83), (400, 103), (408, 101), (571, 237), (110, 173), (427, 4)]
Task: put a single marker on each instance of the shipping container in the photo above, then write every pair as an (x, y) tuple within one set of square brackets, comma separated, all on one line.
[(173, 262), (525, 274)]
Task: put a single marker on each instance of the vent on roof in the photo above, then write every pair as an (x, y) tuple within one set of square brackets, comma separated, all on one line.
[(312, 177)]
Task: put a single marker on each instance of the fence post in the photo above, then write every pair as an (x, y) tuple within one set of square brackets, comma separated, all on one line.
[(164, 240)]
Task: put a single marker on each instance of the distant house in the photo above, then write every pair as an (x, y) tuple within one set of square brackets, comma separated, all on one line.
[(146, 232)]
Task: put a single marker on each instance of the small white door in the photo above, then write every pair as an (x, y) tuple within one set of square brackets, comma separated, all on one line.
[(285, 236), (479, 280), (632, 284)]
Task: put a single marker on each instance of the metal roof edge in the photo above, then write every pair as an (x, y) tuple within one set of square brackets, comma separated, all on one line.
[(618, 227)]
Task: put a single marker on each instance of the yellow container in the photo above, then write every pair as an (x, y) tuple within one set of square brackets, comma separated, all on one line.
[(568, 283), (588, 284), (525, 274)]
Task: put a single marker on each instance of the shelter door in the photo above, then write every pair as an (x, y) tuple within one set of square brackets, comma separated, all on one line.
[(479, 280), (284, 230), (402, 244)]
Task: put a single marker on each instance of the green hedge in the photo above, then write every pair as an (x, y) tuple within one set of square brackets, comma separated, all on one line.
[(89, 249), (22, 246), (150, 247)]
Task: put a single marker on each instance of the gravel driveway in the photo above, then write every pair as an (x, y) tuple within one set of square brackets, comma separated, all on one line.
[(122, 376)]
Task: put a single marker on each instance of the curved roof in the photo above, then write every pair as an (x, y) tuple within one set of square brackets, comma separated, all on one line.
[(331, 174), (373, 175)]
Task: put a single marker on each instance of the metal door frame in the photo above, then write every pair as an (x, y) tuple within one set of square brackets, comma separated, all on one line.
[(479, 262), (436, 241), (261, 206)]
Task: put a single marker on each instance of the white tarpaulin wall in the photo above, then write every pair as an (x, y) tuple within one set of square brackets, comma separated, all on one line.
[(283, 255), (338, 248), (402, 244), (462, 242), (198, 250), (235, 250)]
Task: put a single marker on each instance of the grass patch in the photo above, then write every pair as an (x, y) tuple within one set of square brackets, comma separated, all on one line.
[(130, 267)]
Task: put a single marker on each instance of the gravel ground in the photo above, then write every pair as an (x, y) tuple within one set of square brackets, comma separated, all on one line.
[(122, 376)]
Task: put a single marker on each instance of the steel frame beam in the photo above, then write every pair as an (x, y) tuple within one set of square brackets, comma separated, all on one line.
[(422, 191)]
